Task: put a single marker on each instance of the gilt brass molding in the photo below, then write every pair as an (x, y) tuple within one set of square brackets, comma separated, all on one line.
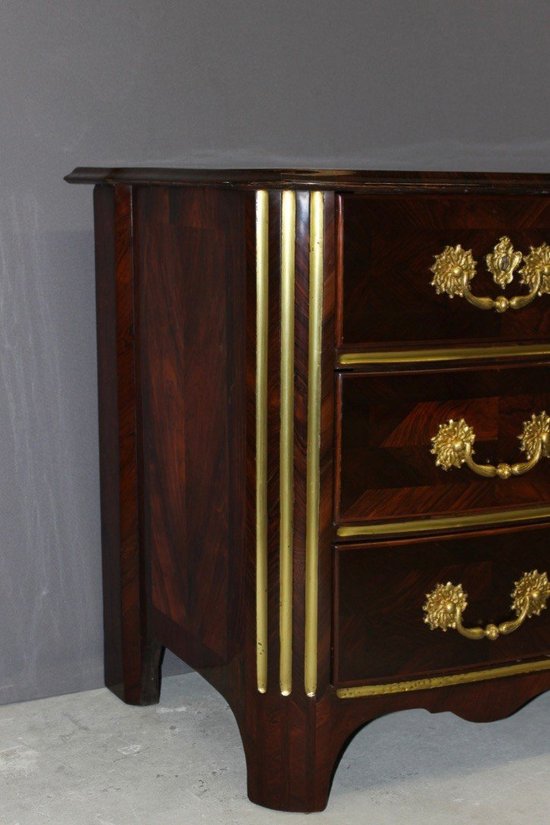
[(455, 268), (286, 439), (446, 603), (443, 523), (413, 356), (453, 446), (315, 332), (431, 683), (262, 315), (287, 242)]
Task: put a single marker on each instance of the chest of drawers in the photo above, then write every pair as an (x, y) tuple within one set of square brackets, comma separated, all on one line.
[(324, 422)]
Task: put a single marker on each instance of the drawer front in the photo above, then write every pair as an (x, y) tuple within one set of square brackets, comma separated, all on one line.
[(388, 247), (380, 632), (386, 469)]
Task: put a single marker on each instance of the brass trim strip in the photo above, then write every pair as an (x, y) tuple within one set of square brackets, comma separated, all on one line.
[(262, 314), (443, 681), (354, 359), (315, 338), (445, 523), (286, 439)]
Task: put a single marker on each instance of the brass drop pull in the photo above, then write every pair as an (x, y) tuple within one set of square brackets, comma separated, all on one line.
[(447, 602), (453, 446), (455, 267)]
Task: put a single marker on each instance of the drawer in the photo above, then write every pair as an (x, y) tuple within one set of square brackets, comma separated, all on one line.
[(388, 246), (380, 632), (385, 468)]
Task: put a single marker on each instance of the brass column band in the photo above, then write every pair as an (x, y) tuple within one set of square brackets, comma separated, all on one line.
[(262, 315), (316, 255), (286, 438)]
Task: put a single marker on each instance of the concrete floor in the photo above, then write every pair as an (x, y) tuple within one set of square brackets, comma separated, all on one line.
[(88, 759)]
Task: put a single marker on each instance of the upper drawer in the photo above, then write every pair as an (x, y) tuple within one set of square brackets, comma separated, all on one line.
[(389, 244)]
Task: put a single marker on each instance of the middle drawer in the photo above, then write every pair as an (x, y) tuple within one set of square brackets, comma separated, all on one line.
[(386, 468)]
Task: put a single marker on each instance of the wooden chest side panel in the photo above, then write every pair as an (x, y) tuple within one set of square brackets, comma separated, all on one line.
[(191, 272)]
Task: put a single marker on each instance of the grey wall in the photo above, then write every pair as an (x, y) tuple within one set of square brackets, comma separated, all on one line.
[(455, 84)]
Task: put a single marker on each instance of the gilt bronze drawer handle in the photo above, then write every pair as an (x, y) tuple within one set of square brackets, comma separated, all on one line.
[(454, 441), (447, 602), (455, 267)]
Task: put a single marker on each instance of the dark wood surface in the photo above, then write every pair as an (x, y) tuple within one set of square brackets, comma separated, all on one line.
[(387, 470), (132, 654), (176, 334), (389, 245), (192, 349)]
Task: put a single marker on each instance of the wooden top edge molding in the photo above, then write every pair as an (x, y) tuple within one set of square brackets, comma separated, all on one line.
[(340, 179)]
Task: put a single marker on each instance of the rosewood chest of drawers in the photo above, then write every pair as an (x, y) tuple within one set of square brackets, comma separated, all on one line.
[(325, 425)]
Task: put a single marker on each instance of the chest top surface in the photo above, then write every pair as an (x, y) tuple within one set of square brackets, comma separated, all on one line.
[(329, 179)]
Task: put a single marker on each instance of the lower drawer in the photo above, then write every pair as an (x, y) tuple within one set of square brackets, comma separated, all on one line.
[(381, 630)]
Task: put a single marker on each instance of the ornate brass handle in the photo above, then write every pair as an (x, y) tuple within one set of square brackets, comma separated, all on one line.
[(454, 441), (455, 267), (445, 605)]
